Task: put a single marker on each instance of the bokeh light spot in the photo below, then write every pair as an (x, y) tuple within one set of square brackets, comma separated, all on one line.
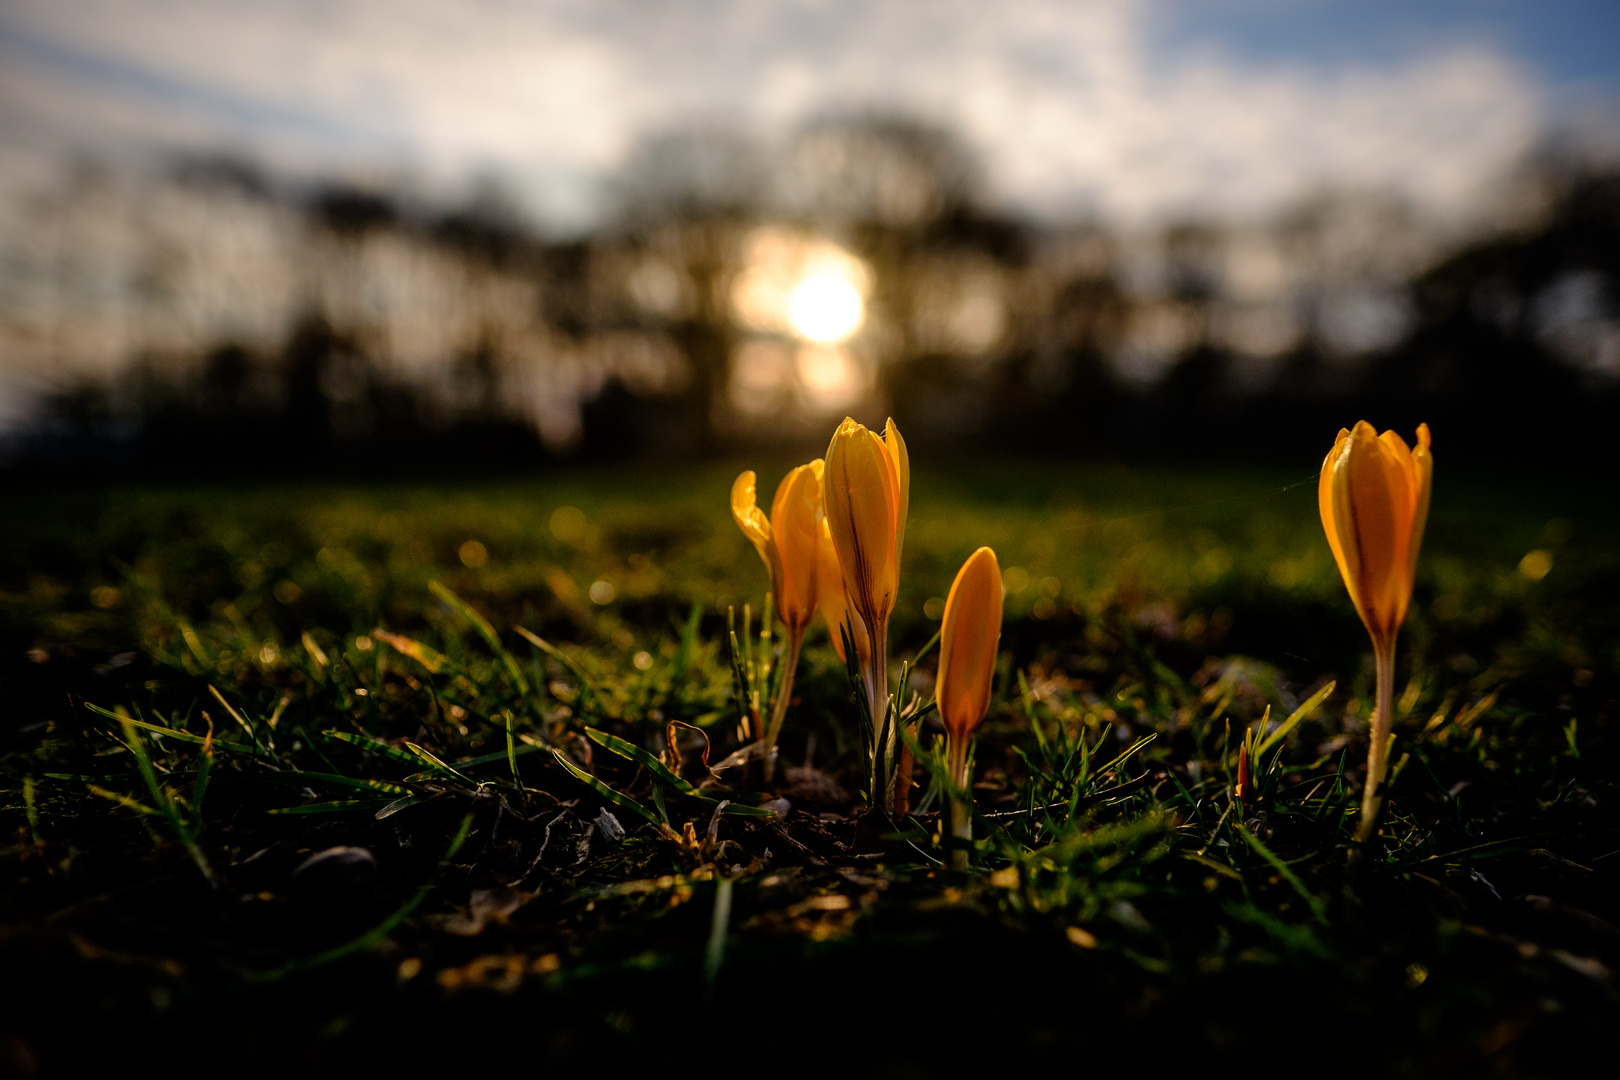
[(831, 377), (1536, 565), (826, 307), (568, 524)]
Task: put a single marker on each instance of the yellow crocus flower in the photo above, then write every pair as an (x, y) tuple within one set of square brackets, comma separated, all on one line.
[(835, 609), (789, 543), (866, 490), (1374, 500), (867, 486), (969, 639), (787, 540)]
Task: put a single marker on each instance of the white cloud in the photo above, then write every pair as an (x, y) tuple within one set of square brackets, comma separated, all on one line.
[(1071, 105)]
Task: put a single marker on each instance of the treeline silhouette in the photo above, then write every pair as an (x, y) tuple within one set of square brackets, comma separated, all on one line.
[(1508, 345)]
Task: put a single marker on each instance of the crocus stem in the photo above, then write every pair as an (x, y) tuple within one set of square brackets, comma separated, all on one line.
[(877, 693), (961, 817), (1372, 801), (767, 738)]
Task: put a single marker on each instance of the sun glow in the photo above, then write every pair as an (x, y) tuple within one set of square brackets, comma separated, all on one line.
[(803, 299), (801, 286), (826, 307)]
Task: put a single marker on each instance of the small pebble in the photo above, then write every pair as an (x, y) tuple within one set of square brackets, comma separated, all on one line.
[(609, 827), (337, 869)]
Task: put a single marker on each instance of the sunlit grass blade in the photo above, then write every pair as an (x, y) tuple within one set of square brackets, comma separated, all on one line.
[(238, 717), (338, 806), (205, 765), (496, 755), (689, 633), (485, 631), (381, 749), (171, 733), (437, 764), (511, 750), (1128, 753), (617, 798), (1028, 701), (644, 758), (1308, 707), (400, 804), (337, 779), (587, 689), (432, 661), (186, 831)]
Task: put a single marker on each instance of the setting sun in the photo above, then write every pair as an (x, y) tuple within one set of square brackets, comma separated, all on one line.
[(826, 307), (802, 286)]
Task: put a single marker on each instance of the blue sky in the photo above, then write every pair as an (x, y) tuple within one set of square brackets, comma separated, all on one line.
[(1573, 45), (1127, 108)]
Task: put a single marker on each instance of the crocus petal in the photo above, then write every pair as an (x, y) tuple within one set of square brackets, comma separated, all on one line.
[(833, 604), (969, 638), (860, 497), (796, 519), (902, 472), (1325, 505), (754, 525), (1374, 497), (1422, 475), (749, 517)]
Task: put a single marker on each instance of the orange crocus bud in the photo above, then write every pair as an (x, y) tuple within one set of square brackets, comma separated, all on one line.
[(796, 524), (787, 542), (968, 642), (866, 491), (1374, 500), (867, 484)]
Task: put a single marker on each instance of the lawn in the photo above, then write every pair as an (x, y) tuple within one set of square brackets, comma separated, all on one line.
[(322, 776)]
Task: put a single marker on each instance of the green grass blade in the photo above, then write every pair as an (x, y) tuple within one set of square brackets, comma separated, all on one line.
[(511, 751), (644, 758), (432, 660), (365, 742), (617, 798), (485, 631), (498, 755), (1129, 752), (719, 924), (238, 717), (438, 765), (328, 807), (683, 657), (586, 687), (337, 779), (169, 732), (1288, 875), (124, 800), (199, 782), (1293, 720)]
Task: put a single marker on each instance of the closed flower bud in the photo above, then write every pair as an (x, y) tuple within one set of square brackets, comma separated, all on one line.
[(866, 486), (968, 641), (787, 542), (1374, 500)]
